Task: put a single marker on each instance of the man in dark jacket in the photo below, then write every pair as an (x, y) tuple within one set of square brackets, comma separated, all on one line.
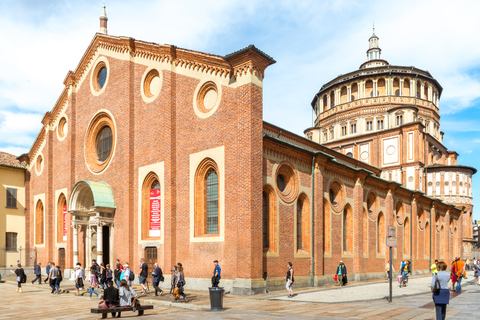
[(47, 269), (110, 294), (157, 278), (38, 273), (341, 273)]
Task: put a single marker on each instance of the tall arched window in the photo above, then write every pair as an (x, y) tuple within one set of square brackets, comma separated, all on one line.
[(206, 199), (39, 223), (151, 207), (365, 232), (303, 223), (326, 226), (406, 237), (427, 240), (381, 233), (62, 219), (269, 219), (348, 229), (211, 195)]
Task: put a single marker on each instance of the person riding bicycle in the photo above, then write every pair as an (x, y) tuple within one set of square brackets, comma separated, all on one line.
[(406, 270)]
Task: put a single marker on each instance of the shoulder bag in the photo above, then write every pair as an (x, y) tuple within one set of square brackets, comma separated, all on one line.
[(437, 286)]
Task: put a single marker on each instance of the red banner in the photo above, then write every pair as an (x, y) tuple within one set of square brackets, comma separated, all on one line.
[(64, 223), (155, 212)]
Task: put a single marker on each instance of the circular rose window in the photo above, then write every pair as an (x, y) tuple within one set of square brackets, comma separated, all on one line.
[(62, 128), (286, 182), (100, 142), (39, 164), (151, 85), (207, 99)]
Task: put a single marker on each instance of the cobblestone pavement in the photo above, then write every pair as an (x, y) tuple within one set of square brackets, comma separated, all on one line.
[(412, 302)]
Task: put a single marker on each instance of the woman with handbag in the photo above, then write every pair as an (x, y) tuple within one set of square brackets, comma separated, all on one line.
[(476, 269), (441, 294), (20, 276)]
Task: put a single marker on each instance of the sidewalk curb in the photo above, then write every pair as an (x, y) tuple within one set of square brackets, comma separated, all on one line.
[(192, 307)]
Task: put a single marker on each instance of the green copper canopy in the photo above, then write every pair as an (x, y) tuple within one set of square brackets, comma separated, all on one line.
[(102, 194)]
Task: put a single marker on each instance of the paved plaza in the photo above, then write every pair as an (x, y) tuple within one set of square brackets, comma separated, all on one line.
[(355, 301)]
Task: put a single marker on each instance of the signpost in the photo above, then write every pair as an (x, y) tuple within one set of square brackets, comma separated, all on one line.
[(391, 242)]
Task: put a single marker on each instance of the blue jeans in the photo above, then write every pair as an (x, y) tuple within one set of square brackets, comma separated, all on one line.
[(92, 291), (441, 311), (459, 285), (405, 275)]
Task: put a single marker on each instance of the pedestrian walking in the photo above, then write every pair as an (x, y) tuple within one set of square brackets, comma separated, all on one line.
[(216, 274), (459, 269), (59, 279), (103, 275), (117, 273), (109, 275), (174, 280), (179, 286), (127, 275), (38, 273), (157, 278), (93, 284), (21, 277), (406, 270), (47, 270), (442, 297), (79, 278), (52, 277), (126, 294), (142, 275), (341, 274), (476, 274), (289, 278), (388, 271), (433, 267)]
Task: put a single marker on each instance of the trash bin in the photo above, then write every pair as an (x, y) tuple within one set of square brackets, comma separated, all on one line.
[(216, 298)]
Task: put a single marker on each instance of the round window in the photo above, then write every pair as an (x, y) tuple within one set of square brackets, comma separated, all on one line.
[(446, 183), (430, 184), (104, 143), (100, 76), (350, 155), (62, 128), (286, 182), (152, 84), (100, 142), (39, 164)]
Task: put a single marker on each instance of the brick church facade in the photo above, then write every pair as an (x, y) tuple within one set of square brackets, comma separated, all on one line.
[(160, 152)]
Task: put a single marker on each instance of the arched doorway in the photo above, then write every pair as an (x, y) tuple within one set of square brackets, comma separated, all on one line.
[(92, 207)]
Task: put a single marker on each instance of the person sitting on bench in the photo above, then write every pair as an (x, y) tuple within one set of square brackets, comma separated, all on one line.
[(111, 297)]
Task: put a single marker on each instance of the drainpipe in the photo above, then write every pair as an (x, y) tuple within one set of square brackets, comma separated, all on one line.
[(430, 255), (411, 230), (312, 220)]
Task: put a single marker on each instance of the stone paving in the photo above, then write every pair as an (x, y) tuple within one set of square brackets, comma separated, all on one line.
[(412, 302)]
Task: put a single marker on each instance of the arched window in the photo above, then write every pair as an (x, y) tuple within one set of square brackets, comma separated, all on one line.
[(427, 240), (303, 223), (406, 88), (354, 92), (369, 88), (269, 219), (396, 87), (406, 237), (39, 223), (381, 88), (381, 233), (206, 199), (343, 94), (211, 195), (151, 207), (62, 219), (326, 226), (348, 229), (365, 232)]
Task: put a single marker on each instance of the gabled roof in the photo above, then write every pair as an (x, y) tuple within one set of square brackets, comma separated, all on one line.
[(9, 160)]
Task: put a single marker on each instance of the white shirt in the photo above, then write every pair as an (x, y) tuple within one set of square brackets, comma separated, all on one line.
[(79, 273)]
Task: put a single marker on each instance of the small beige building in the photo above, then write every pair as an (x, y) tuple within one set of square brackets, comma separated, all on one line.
[(12, 211)]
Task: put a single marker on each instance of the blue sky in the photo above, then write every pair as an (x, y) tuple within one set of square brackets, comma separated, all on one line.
[(312, 42)]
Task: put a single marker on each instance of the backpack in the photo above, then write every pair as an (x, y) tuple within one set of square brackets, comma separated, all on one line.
[(116, 274), (132, 276), (24, 278), (59, 276)]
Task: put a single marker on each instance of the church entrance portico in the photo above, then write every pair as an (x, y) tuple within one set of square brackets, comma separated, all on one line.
[(92, 207)]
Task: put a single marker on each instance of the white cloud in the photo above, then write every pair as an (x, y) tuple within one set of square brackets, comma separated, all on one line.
[(19, 130)]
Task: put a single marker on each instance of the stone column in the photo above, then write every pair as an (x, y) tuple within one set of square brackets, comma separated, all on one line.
[(75, 243), (99, 243)]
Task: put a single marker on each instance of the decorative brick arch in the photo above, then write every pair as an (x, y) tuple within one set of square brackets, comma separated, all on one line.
[(381, 233), (303, 223), (62, 201), (39, 223), (347, 229)]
